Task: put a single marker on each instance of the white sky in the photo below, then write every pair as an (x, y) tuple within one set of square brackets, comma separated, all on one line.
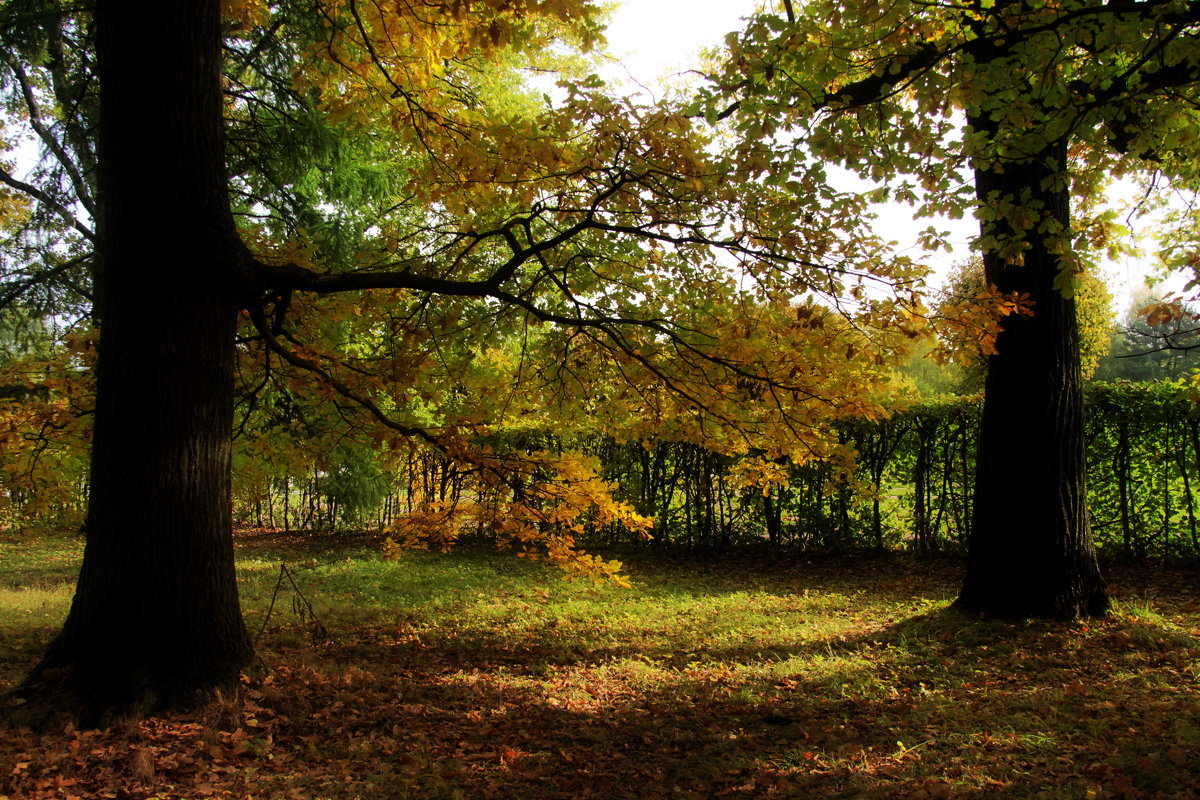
[(657, 39)]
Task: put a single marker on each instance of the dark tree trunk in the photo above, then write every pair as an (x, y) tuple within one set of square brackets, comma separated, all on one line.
[(923, 533), (155, 621), (1030, 551), (773, 514), (1122, 468)]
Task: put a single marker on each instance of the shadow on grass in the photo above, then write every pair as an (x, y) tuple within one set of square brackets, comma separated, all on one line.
[(298, 546), (936, 705), (473, 681), (894, 575)]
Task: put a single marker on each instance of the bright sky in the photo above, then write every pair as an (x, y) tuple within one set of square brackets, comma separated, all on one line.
[(656, 39)]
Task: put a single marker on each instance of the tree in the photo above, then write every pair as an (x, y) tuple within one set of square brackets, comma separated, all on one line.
[(1019, 112), (593, 218), (1164, 350), (137, 635)]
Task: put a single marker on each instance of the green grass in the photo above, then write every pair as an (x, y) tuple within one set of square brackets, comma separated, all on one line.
[(478, 674), (50, 559), (37, 577)]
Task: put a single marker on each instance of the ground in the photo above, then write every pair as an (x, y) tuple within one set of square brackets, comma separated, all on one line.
[(480, 675)]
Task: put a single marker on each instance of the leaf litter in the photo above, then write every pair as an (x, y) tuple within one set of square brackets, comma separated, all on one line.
[(812, 679)]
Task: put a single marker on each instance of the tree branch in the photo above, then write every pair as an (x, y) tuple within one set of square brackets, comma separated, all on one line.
[(7, 178), (14, 291), (49, 140), (268, 336)]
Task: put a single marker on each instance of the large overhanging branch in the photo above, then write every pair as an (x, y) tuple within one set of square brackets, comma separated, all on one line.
[(291, 276), (508, 282), (286, 278)]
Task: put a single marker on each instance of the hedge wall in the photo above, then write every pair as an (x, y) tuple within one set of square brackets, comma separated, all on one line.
[(910, 485)]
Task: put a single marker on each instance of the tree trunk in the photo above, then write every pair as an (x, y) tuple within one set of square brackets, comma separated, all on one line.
[(155, 620), (922, 532), (1030, 551), (1122, 468), (773, 514)]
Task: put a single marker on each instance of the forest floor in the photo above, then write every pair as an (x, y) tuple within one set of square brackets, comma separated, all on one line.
[(481, 675)]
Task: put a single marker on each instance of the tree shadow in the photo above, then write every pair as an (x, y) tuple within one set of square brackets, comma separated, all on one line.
[(936, 702), (927, 705), (932, 705)]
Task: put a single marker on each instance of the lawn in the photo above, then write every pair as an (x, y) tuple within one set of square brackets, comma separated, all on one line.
[(481, 675)]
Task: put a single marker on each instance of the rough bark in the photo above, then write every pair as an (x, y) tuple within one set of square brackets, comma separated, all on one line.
[(1030, 552), (155, 621)]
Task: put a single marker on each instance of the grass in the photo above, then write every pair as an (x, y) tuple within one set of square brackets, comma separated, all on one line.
[(481, 675)]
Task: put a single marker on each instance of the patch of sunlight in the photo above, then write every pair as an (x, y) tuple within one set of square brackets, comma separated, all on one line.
[(34, 606)]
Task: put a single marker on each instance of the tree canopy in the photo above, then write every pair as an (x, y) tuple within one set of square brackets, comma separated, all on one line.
[(590, 258)]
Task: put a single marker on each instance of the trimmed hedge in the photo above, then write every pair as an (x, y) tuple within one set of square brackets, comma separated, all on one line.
[(910, 483)]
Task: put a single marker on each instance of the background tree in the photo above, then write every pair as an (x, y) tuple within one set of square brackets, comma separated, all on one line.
[(1141, 351), (1019, 112)]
